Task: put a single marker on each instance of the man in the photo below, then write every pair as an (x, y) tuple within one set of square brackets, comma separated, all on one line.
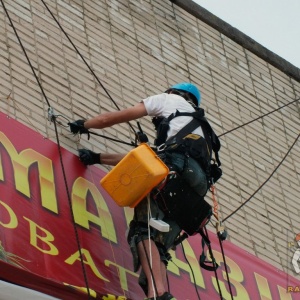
[(184, 98), (296, 256)]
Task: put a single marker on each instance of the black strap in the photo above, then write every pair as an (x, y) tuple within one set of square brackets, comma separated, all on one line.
[(198, 120), (202, 260), (178, 137)]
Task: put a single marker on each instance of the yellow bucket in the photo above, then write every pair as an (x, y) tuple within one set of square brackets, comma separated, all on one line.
[(134, 176)]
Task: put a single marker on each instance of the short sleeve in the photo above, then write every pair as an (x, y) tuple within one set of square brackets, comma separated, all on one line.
[(155, 105)]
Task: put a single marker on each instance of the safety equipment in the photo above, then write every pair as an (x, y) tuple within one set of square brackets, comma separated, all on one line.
[(78, 127), (190, 88), (191, 144), (182, 204), (88, 157)]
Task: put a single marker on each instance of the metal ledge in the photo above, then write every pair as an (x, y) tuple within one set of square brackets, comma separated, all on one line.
[(239, 37)]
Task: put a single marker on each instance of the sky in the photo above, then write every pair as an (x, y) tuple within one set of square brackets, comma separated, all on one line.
[(275, 24)]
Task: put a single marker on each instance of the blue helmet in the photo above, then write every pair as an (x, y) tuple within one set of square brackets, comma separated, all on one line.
[(190, 88)]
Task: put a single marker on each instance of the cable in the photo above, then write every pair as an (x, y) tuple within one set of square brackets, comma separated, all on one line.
[(52, 115), (214, 264), (150, 247), (225, 265), (72, 213), (59, 150), (191, 270), (112, 139), (240, 126), (25, 53), (280, 163), (81, 56)]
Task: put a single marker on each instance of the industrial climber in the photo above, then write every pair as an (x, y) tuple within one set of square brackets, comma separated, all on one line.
[(185, 142)]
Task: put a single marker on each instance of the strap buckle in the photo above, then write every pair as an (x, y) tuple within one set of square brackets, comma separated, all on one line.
[(161, 147)]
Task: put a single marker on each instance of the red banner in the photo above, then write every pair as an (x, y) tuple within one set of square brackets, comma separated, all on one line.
[(48, 221)]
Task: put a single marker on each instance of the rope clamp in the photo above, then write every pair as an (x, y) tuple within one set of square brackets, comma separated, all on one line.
[(221, 232), (51, 115)]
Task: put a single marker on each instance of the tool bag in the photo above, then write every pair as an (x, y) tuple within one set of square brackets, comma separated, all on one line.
[(181, 203)]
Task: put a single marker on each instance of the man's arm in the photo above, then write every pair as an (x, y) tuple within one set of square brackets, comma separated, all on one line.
[(111, 118), (111, 159)]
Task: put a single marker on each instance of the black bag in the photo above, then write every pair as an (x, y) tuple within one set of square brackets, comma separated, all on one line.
[(181, 203), (196, 146)]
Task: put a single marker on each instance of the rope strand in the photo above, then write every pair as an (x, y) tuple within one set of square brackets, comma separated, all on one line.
[(84, 60), (269, 113), (59, 150), (277, 167), (226, 269)]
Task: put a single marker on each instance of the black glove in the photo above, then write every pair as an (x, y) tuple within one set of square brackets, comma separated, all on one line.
[(141, 137), (78, 127), (89, 157)]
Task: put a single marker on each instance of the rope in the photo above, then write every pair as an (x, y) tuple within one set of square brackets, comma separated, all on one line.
[(216, 214), (149, 215), (84, 60), (183, 251), (215, 202), (269, 113), (51, 114), (226, 269), (72, 213), (112, 139), (25, 53), (277, 167), (59, 150), (214, 264)]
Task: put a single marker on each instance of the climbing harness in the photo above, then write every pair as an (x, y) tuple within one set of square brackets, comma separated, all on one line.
[(189, 144)]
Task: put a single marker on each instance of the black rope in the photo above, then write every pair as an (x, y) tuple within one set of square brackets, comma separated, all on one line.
[(280, 163), (72, 213), (24, 51), (112, 139), (84, 60), (51, 115), (59, 149), (277, 109), (214, 264), (198, 295), (225, 265)]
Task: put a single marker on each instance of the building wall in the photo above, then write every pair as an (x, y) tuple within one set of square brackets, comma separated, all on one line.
[(137, 48)]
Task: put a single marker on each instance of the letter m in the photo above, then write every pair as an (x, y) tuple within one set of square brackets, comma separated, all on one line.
[(21, 163)]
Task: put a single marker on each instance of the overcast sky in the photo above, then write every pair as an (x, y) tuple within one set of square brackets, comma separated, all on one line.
[(275, 24)]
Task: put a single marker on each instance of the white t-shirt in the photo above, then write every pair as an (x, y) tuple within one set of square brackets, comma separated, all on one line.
[(163, 105)]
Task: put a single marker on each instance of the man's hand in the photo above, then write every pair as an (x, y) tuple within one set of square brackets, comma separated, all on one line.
[(88, 157), (78, 127)]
